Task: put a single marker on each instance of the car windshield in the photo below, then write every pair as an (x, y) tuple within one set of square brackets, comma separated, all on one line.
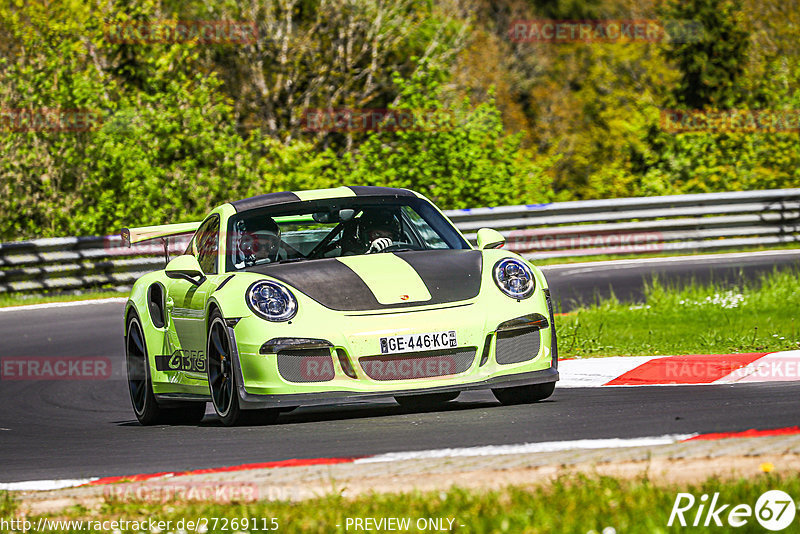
[(336, 227)]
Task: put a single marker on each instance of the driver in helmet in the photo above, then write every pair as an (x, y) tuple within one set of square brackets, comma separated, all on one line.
[(261, 245), (377, 229)]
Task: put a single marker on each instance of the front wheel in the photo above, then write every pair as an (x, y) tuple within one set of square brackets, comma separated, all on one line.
[(222, 381), (524, 394), (140, 386)]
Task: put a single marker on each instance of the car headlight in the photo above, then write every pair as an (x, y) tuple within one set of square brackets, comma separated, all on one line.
[(514, 278), (271, 301)]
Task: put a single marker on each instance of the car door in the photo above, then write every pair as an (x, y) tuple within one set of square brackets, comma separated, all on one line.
[(186, 304)]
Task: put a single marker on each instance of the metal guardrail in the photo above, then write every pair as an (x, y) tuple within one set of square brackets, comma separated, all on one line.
[(672, 224), (71, 263), (676, 224)]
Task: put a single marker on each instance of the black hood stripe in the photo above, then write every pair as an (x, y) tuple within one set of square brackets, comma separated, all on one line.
[(328, 281), (449, 275)]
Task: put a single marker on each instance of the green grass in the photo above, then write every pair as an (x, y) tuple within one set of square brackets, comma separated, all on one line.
[(610, 257), (759, 316), (571, 504), (17, 299)]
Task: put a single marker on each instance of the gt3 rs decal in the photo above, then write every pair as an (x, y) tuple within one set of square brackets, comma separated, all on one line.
[(193, 361)]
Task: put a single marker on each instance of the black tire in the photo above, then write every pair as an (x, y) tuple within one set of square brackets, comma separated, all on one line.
[(144, 403), (429, 400), (223, 383), (524, 394)]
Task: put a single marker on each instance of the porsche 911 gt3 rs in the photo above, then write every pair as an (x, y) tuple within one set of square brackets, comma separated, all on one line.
[(331, 296)]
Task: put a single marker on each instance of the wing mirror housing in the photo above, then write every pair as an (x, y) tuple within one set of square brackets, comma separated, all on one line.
[(186, 268), (489, 238)]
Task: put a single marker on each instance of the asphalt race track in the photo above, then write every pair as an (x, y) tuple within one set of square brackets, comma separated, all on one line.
[(76, 429)]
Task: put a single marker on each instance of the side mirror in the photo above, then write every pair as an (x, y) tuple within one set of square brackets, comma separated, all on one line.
[(187, 268), (488, 238)]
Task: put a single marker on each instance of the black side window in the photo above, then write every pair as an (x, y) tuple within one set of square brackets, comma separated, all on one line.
[(207, 245)]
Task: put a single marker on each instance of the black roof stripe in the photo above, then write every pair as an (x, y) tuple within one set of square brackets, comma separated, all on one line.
[(287, 197), (375, 191), (270, 199)]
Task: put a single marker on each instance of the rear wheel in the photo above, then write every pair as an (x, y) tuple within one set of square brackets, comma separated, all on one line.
[(524, 394), (140, 386), (223, 383), (429, 400)]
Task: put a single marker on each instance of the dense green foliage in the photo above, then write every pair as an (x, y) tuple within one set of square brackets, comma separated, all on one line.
[(184, 125), (710, 68)]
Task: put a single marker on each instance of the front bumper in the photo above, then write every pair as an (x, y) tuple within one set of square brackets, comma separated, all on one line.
[(261, 384), (250, 401)]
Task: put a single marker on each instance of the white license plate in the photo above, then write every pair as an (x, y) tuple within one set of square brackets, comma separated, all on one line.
[(418, 342)]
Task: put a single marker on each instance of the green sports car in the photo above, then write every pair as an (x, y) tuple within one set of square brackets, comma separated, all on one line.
[(332, 296)]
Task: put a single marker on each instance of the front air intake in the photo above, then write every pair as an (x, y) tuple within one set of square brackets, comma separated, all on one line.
[(415, 365), (515, 346), (306, 365)]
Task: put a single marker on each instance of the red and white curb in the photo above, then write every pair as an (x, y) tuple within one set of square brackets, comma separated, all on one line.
[(705, 369), (490, 450)]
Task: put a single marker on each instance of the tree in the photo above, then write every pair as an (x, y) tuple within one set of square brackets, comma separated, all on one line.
[(458, 156), (712, 66)]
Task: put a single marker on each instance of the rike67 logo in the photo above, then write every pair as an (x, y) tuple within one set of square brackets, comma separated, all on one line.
[(774, 510)]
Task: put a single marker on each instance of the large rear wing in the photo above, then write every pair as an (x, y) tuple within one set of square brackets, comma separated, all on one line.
[(131, 236)]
